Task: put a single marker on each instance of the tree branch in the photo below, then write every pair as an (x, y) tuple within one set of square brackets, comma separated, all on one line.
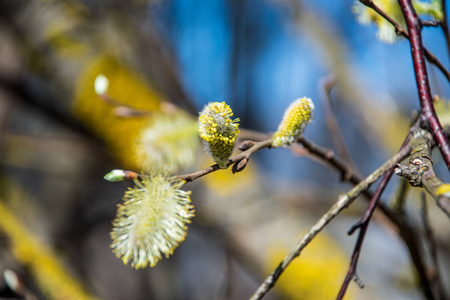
[(326, 85), (428, 115), (420, 172)]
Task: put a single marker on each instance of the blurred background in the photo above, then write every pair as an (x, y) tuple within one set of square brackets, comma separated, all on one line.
[(58, 139)]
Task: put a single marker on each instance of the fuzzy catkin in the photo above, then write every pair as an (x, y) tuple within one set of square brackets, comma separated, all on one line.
[(218, 131), (297, 116)]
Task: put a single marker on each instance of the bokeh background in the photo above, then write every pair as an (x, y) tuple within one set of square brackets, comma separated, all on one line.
[(58, 140)]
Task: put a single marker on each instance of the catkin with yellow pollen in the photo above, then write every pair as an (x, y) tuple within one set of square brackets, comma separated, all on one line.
[(218, 131), (152, 220), (295, 119)]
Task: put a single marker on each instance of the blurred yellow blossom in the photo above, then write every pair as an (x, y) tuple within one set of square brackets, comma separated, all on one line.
[(317, 274), (169, 141), (48, 271)]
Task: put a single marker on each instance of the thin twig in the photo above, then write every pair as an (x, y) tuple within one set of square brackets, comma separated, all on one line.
[(428, 114), (444, 25), (124, 110), (343, 202), (326, 85), (400, 197), (347, 174), (235, 159), (433, 248), (402, 32), (362, 225), (430, 23), (240, 160)]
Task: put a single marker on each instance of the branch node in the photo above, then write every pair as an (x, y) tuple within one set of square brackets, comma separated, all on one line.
[(354, 227), (430, 23), (358, 281), (329, 154), (346, 176)]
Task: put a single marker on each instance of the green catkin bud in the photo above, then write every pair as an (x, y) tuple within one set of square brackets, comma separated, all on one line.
[(218, 131), (297, 116), (152, 220), (115, 175)]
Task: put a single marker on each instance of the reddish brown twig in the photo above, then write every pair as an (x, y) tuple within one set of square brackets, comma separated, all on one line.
[(428, 114), (436, 277), (362, 225), (326, 85), (444, 25), (241, 157)]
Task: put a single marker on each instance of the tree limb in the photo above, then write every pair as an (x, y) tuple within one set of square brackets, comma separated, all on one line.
[(420, 172)]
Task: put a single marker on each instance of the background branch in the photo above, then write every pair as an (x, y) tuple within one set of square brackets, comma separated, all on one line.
[(433, 249), (444, 24), (326, 85)]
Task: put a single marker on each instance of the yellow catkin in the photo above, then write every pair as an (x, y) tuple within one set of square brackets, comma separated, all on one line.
[(317, 274), (218, 131), (297, 116)]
